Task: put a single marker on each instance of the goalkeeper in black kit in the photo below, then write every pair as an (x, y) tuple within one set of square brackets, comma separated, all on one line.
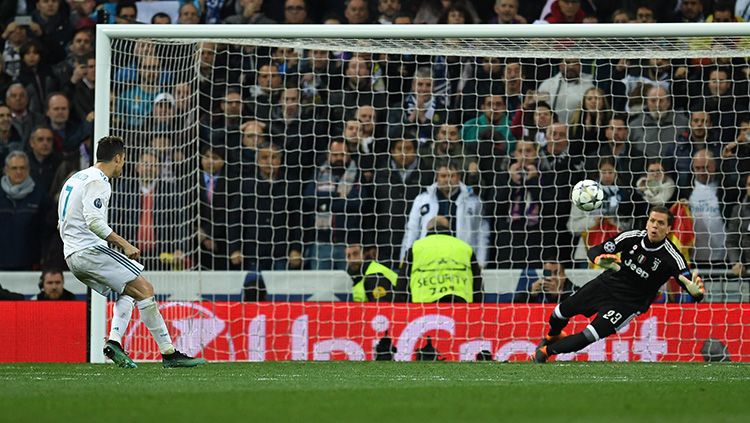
[(626, 289)]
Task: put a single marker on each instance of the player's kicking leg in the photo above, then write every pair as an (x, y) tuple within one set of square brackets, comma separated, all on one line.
[(143, 292)]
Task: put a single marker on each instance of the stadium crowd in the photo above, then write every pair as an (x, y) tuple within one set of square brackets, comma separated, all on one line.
[(303, 153)]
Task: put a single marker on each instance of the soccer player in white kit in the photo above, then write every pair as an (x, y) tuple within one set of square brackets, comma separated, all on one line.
[(82, 214)]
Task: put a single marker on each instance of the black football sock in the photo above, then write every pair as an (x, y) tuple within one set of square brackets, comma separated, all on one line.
[(556, 325), (572, 343)]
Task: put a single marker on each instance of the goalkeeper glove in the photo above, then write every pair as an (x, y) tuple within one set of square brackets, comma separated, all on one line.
[(608, 261), (694, 286)]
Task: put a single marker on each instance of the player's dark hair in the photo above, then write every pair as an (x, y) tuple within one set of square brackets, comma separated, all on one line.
[(108, 147), (663, 210)]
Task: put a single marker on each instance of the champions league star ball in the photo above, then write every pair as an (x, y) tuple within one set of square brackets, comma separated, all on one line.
[(587, 195)]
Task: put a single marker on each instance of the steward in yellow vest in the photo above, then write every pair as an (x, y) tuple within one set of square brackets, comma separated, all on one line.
[(440, 268), (372, 280)]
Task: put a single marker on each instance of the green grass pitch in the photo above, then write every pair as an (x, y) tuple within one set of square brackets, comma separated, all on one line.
[(376, 391)]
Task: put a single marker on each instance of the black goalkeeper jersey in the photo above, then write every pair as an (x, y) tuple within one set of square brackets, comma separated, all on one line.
[(644, 267)]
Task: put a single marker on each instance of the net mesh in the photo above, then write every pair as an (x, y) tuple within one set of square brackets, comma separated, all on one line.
[(255, 163)]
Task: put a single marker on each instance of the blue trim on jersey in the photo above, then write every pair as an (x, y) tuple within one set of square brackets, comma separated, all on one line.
[(122, 260)]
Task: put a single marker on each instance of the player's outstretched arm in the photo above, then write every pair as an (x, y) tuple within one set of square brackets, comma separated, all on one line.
[(694, 285)]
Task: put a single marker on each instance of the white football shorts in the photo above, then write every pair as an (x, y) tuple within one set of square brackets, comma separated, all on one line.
[(103, 269)]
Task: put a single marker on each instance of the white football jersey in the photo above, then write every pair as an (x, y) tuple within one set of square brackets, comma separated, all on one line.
[(83, 200)]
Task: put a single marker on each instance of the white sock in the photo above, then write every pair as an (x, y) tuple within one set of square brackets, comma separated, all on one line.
[(121, 314), (155, 324)]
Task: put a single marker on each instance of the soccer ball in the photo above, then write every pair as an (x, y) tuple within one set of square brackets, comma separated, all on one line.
[(587, 195)]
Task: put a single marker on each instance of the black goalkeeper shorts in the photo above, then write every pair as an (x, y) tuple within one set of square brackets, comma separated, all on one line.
[(594, 297)]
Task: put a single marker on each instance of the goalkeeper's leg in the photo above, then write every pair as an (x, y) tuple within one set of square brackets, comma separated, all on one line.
[(608, 321)]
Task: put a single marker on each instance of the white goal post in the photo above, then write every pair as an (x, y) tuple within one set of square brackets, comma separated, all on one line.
[(582, 42)]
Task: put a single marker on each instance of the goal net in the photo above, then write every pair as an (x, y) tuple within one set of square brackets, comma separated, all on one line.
[(266, 173)]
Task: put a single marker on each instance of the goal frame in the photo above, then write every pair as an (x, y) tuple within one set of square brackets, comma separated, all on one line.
[(106, 33)]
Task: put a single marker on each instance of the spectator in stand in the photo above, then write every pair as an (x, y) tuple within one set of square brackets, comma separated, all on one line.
[(320, 74), (710, 200), (558, 172), (421, 111), (219, 230), (36, 76), (736, 155), (334, 204), (293, 124), (56, 29), (738, 234), (654, 132), (487, 78), (449, 197), (52, 287), (80, 87), (9, 138), (514, 89), (251, 14), (137, 102), (357, 91), (589, 123), (357, 12), (295, 12), (266, 93), (448, 146), (358, 150), (645, 14), (81, 14), (620, 16), (5, 79), (566, 89), (188, 14), (126, 12), (43, 161), (552, 288), (271, 214), (397, 184), (533, 120), (724, 12), (80, 46), (15, 36), (23, 205), (161, 18), (388, 10), (492, 125), (629, 161), (403, 18), (690, 11), (566, 11), (24, 120), (152, 213), (163, 118), (506, 12), (457, 14), (63, 128), (701, 135), (724, 99), (517, 209), (657, 188)]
